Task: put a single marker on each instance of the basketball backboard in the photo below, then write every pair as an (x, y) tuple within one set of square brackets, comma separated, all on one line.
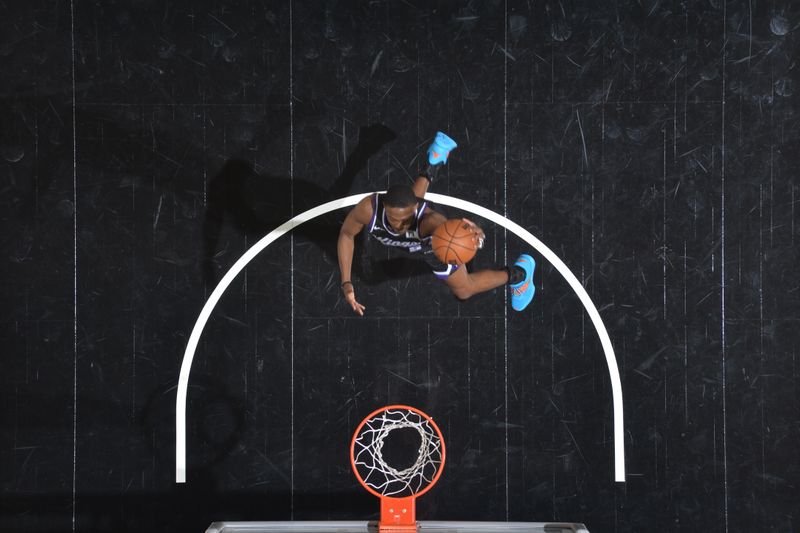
[(372, 527)]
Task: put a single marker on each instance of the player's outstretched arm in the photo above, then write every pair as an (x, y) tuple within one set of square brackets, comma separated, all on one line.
[(433, 219), (356, 219), (480, 235), (430, 221)]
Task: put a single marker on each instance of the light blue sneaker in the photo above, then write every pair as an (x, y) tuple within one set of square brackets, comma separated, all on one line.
[(522, 292), (440, 148)]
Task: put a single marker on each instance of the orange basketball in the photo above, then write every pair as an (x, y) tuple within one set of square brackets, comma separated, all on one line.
[(454, 242)]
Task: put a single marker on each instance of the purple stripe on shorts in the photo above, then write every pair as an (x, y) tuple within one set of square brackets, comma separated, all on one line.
[(444, 274)]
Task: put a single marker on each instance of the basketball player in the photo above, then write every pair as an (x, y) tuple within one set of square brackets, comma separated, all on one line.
[(400, 218)]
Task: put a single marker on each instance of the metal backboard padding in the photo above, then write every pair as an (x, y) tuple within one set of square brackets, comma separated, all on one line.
[(361, 526)]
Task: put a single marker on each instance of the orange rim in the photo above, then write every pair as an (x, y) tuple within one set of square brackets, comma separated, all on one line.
[(372, 415)]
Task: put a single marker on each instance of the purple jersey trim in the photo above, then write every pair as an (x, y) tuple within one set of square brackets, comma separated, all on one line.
[(420, 213), (421, 209), (374, 212)]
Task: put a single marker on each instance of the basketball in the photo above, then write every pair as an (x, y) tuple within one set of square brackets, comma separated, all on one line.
[(454, 242)]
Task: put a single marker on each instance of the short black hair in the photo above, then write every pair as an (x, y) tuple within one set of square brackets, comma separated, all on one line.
[(400, 196)]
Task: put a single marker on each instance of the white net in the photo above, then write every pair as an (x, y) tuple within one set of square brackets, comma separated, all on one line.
[(382, 477)]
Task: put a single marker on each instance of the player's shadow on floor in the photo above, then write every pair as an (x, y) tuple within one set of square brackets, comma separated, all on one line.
[(254, 204)]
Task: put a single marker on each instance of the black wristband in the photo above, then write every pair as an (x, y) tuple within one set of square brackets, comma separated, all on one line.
[(345, 283)]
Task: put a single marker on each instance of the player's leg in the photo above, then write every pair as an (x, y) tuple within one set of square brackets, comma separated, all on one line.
[(465, 284), (437, 154)]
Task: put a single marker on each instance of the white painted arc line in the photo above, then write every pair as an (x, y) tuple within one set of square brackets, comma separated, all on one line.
[(594, 314), (519, 231), (205, 313)]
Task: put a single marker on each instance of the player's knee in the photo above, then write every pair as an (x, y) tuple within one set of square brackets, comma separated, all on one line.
[(462, 293)]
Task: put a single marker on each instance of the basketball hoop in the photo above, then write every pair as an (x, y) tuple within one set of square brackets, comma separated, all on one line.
[(397, 486)]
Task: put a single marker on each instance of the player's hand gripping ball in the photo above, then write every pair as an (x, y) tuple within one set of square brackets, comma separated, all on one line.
[(455, 241)]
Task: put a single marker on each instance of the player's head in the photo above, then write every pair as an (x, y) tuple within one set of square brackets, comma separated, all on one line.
[(400, 203)]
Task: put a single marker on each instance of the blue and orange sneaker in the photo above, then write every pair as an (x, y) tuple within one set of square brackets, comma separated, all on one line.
[(440, 148), (522, 292)]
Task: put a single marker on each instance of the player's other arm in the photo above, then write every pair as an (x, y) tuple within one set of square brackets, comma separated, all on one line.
[(430, 221), (356, 219), (433, 219)]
